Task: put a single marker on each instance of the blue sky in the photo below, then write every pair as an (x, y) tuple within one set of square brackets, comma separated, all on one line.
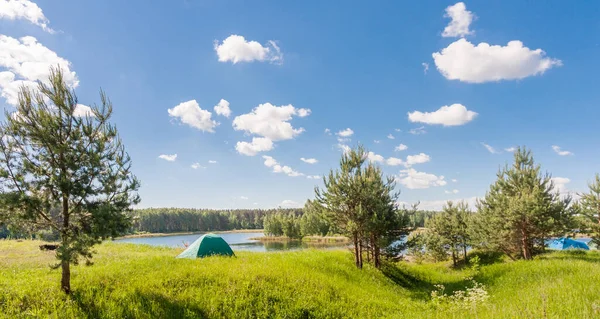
[(291, 70)]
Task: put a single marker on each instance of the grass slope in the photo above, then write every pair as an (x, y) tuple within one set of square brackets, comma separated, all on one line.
[(135, 281)]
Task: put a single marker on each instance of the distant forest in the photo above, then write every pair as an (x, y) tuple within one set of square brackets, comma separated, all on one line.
[(171, 220)]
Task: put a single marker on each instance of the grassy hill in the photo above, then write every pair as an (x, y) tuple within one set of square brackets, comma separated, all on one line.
[(130, 281)]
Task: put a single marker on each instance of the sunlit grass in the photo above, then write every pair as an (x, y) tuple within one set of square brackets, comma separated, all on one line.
[(139, 281)]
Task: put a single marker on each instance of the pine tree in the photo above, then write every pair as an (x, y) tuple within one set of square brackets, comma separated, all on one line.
[(521, 210), (590, 204), (65, 171)]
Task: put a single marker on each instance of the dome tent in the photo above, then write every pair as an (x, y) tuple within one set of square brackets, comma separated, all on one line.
[(205, 246), (567, 243)]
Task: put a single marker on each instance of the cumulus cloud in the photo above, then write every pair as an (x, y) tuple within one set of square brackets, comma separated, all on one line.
[(453, 115), (510, 149), (465, 62), (461, 19), (288, 203), (191, 114), (390, 136), (327, 131), (166, 157), (24, 10), (417, 159), (258, 144), (197, 166), (222, 108), (375, 158), (26, 61), (345, 148), (394, 161), (400, 148), (278, 168), (454, 191), (236, 48), (83, 111), (376, 141), (345, 133), (417, 130), (413, 179), (560, 152), (309, 160), (454, 180), (489, 148), (270, 121), (212, 162)]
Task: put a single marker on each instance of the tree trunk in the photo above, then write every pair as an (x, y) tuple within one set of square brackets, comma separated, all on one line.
[(376, 256), (465, 252), (453, 256), (356, 252), (525, 244), (65, 282), (360, 260)]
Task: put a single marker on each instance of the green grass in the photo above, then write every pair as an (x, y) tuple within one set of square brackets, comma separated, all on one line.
[(135, 281)]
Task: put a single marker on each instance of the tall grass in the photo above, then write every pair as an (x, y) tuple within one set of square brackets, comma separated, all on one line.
[(136, 281)]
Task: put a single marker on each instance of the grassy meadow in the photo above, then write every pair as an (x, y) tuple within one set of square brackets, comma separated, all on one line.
[(137, 281)]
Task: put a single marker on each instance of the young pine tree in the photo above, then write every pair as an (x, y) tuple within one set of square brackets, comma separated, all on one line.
[(521, 210), (590, 206), (67, 170)]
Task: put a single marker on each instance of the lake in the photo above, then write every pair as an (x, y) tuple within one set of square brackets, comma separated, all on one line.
[(237, 241)]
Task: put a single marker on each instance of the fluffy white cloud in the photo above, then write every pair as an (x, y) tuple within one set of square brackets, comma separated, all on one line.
[(560, 184), (454, 191), (278, 168), (26, 10), (417, 130), (393, 161), (345, 148), (412, 179), (344, 139), (390, 136), (375, 158), (453, 115), (197, 166), (82, 111), (376, 141), (191, 114), (222, 108), (313, 176), (454, 180), (258, 144), (27, 61), (345, 133), (438, 204), (417, 159), (463, 61), (243, 197), (288, 203), (166, 157), (510, 149), (560, 152), (236, 49), (212, 162), (461, 19), (303, 112), (309, 160), (270, 121), (490, 148), (400, 148)]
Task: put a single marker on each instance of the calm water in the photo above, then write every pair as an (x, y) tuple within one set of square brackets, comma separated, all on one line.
[(237, 241)]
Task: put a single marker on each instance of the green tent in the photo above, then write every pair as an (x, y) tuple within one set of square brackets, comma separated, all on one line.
[(207, 245)]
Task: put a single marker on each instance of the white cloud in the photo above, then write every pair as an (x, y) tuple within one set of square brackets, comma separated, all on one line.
[(560, 184), (560, 152), (309, 160), (376, 141), (461, 19), (24, 9), (191, 114), (197, 166), (393, 161), (270, 121), (303, 112), (375, 158), (510, 149), (236, 49), (212, 162), (313, 176), (397, 130), (390, 136), (289, 204), (463, 61), (417, 159), (27, 61), (454, 191), (345, 133), (277, 168), (490, 148), (400, 148), (166, 157), (327, 131), (454, 180), (453, 115), (417, 130), (82, 111), (222, 108), (425, 67), (258, 144), (438, 204), (345, 148), (343, 139), (243, 197), (412, 179)]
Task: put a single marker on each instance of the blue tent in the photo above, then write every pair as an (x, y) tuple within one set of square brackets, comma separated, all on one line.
[(567, 243)]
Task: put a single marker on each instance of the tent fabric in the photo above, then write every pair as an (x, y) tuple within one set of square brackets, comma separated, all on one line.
[(567, 243), (207, 245)]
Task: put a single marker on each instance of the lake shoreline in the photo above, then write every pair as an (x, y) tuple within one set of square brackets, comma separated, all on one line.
[(149, 235), (312, 239)]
